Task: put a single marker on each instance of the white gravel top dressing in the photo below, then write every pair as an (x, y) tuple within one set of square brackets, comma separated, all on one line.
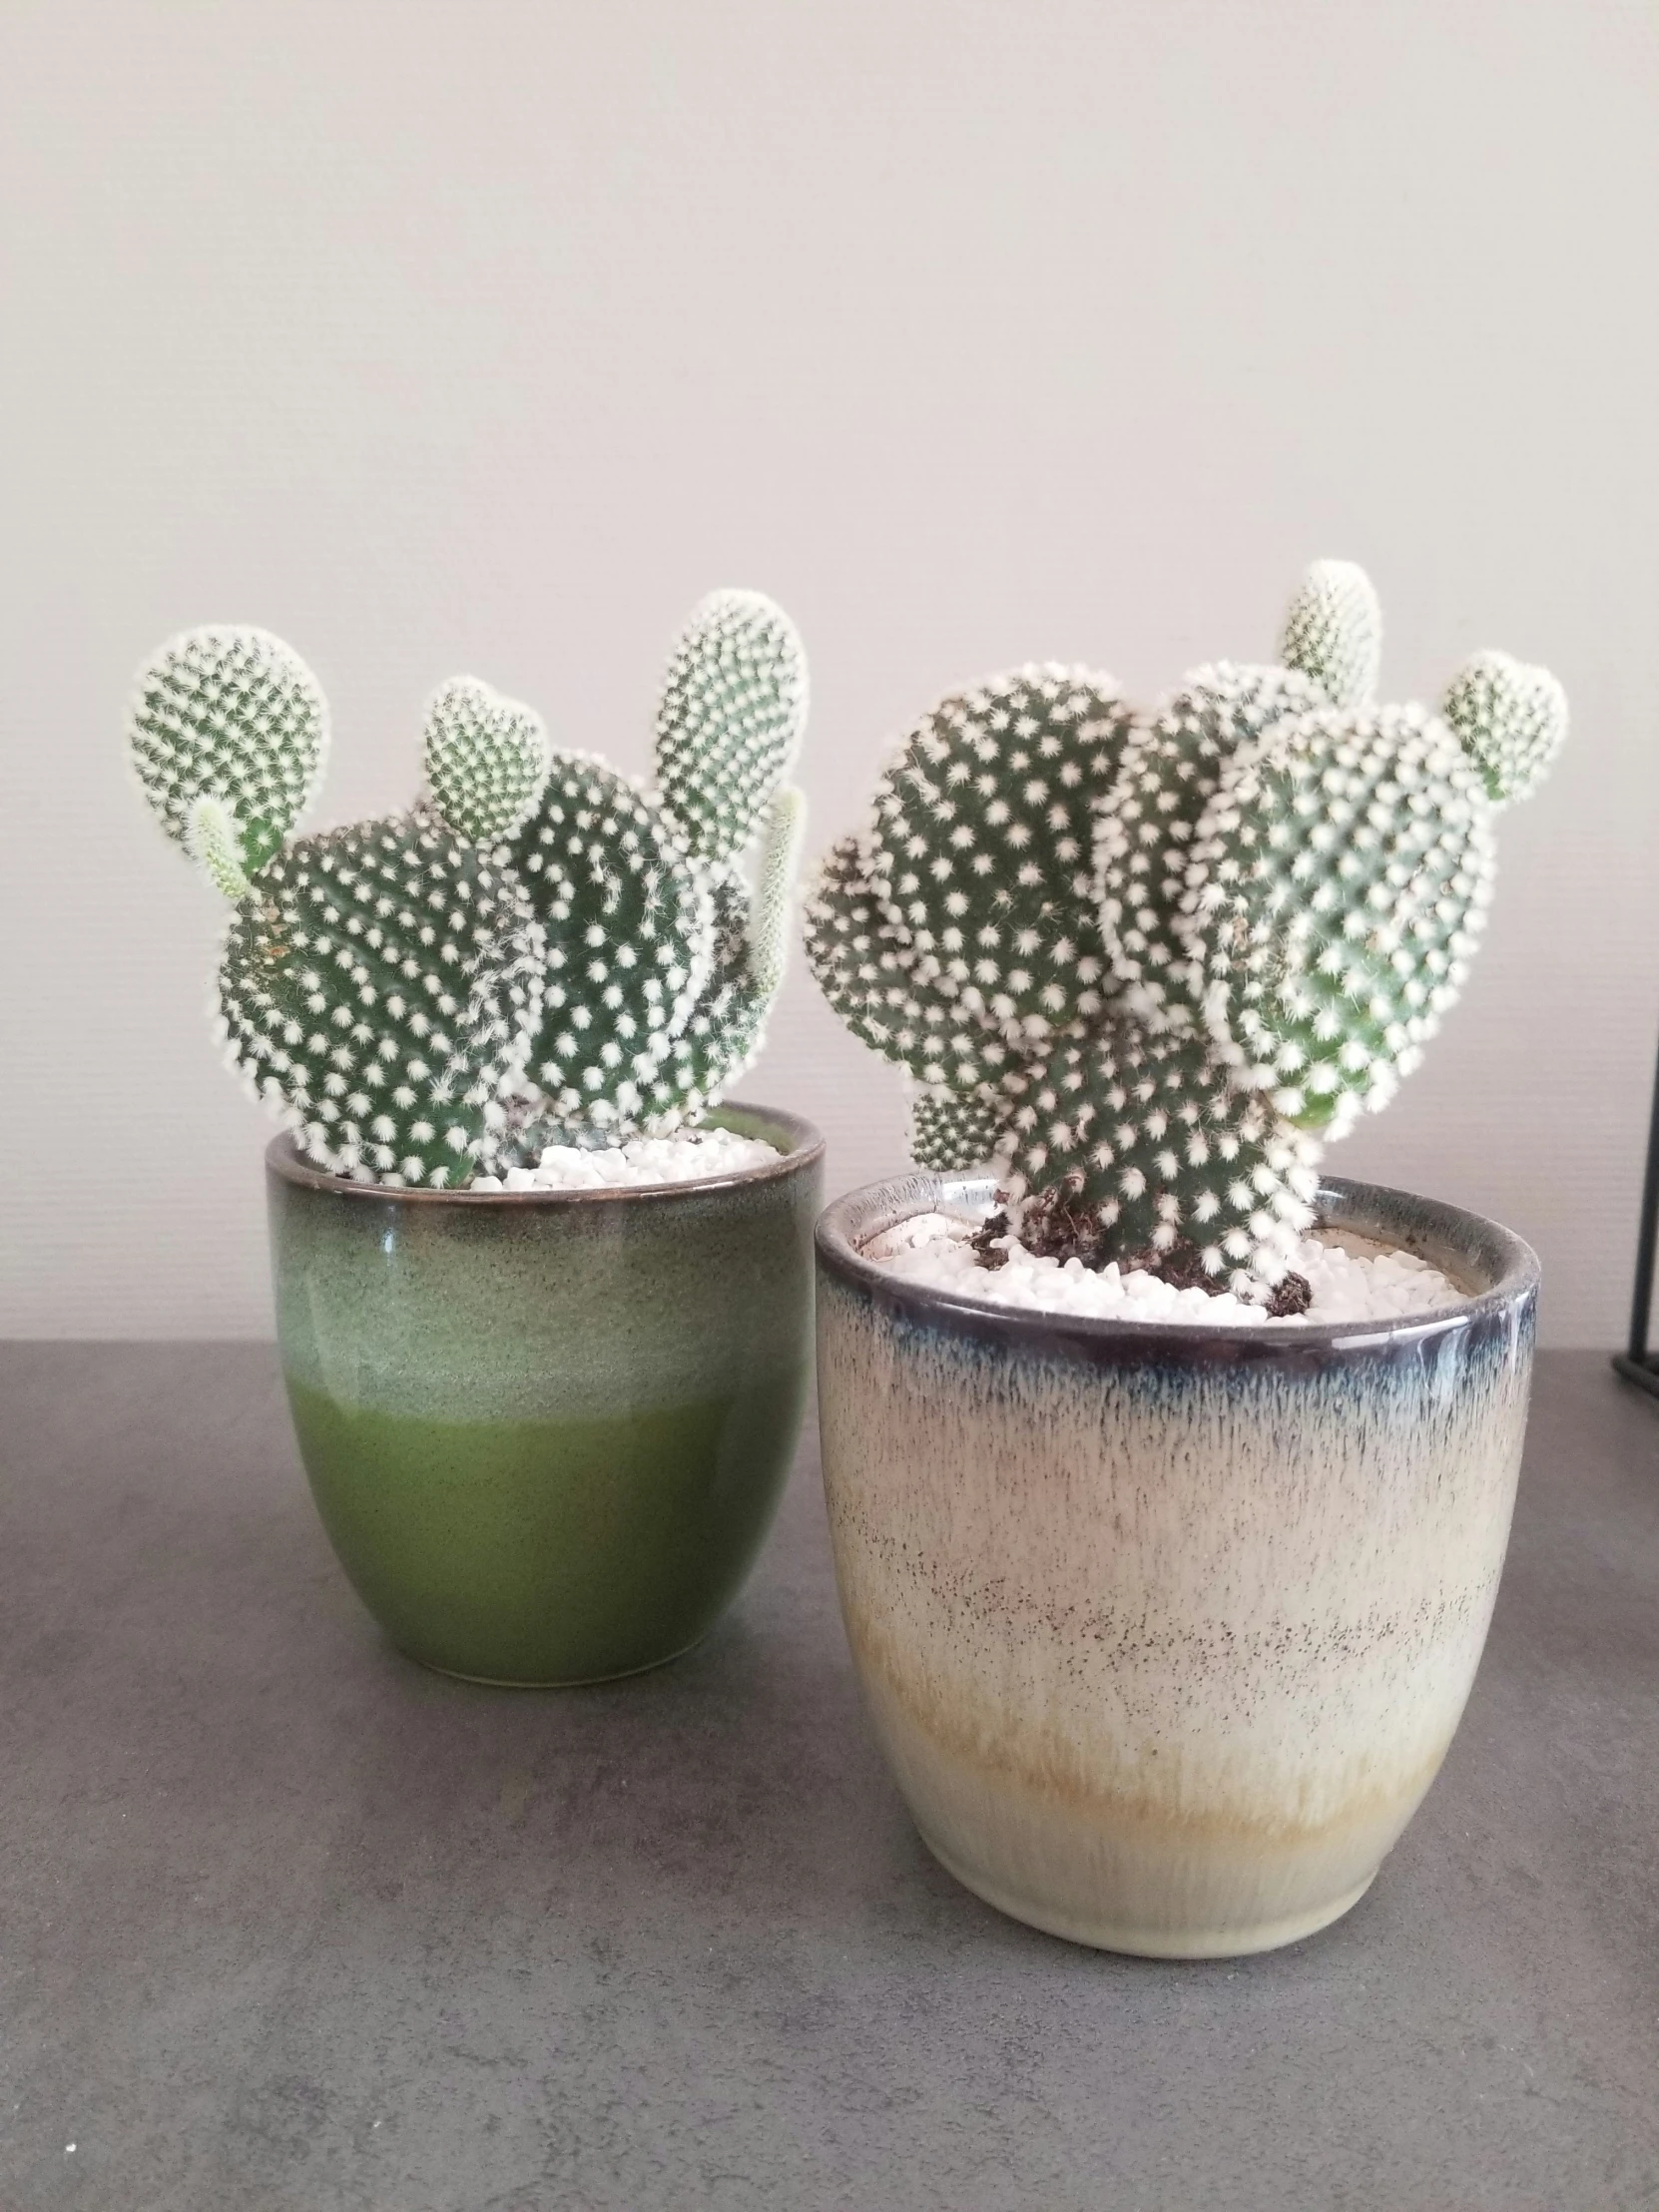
[(1351, 1280), (686, 1157)]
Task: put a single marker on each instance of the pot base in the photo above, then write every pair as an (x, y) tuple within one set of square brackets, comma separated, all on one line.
[(1150, 1943), (554, 1682)]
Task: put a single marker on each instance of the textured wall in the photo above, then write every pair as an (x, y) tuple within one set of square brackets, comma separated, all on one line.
[(487, 337)]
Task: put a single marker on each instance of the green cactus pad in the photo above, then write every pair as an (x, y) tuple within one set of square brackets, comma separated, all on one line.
[(980, 852), (724, 1031), (228, 712), (380, 985), (954, 1131), (629, 925), (733, 710), (487, 759), (1512, 720), (1340, 876), (1156, 1139), (1143, 832), (868, 973), (1333, 632)]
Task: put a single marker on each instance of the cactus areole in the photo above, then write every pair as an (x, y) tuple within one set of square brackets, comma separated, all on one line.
[(540, 951), (1148, 963)]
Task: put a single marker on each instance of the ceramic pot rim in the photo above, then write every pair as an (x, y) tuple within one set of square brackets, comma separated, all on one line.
[(285, 1162), (1366, 1209)]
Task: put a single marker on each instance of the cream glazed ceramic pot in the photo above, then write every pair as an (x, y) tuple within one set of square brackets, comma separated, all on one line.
[(1166, 1630)]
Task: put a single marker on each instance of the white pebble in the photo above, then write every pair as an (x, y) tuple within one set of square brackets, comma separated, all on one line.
[(935, 1249), (642, 1163)]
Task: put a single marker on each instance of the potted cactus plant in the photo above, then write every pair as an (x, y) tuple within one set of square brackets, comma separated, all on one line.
[(542, 1301), (1170, 1482)]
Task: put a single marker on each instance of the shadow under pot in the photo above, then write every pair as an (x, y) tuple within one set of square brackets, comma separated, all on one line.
[(547, 1430), (1165, 1630)]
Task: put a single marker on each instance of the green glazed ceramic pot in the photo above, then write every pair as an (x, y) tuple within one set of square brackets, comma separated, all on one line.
[(547, 1430)]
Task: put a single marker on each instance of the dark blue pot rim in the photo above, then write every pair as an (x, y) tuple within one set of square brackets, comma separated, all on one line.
[(284, 1163), (1463, 1244)]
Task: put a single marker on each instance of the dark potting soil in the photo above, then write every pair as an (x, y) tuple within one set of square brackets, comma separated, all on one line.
[(1056, 1224)]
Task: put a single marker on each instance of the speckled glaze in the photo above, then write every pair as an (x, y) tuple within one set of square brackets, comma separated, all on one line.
[(547, 1430), (1166, 1631)]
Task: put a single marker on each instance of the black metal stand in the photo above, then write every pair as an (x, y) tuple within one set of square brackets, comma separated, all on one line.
[(1638, 1365)]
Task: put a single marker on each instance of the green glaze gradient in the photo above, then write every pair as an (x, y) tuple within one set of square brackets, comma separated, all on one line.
[(547, 1434)]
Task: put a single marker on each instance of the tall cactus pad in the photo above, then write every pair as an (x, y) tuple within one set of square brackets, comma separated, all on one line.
[(953, 1131), (1159, 1142), (380, 986), (1512, 720), (724, 1030), (1333, 633), (733, 711), (980, 850), (487, 759), (868, 973), (1340, 876), (232, 714), (1143, 833), (629, 927)]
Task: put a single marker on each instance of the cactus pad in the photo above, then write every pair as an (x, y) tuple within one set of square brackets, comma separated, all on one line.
[(380, 986), (1155, 1137), (980, 852), (868, 970), (733, 710), (232, 713), (1333, 632), (1340, 876), (487, 759), (629, 927), (1511, 721), (1143, 832)]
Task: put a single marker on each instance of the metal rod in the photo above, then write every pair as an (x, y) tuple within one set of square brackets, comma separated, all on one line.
[(1647, 1240)]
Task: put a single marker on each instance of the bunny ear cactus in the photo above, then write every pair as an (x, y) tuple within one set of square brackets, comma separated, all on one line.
[(1289, 882), (539, 946)]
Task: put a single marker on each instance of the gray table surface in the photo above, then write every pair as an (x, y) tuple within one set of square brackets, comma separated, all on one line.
[(288, 1923)]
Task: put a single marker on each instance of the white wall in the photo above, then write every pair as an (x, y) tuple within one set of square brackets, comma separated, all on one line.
[(487, 336)]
